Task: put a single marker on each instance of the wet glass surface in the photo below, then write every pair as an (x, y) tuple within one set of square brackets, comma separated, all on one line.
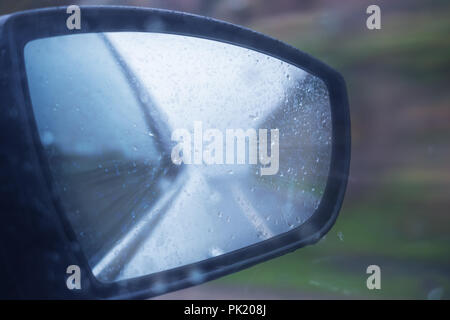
[(112, 108)]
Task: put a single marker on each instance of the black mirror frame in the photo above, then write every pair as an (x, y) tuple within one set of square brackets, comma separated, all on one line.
[(20, 28)]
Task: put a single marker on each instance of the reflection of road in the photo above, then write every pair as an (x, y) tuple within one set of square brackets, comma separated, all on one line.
[(120, 192), (209, 216), (152, 224)]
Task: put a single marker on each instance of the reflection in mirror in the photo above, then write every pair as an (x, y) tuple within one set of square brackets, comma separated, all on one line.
[(167, 150)]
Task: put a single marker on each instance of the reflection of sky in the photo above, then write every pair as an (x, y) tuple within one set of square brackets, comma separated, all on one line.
[(193, 79), (83, 103)]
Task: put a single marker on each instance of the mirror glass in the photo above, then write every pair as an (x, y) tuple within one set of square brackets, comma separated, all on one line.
[(166, 150)]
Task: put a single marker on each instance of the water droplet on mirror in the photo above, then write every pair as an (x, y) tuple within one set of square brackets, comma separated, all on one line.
[(261, 235), (47, 138), (144, 98), (214, 252)]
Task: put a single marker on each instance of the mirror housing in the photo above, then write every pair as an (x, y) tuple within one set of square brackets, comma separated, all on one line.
[(37, 238)]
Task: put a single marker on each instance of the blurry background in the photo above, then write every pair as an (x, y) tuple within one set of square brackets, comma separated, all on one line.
[(396, 213)]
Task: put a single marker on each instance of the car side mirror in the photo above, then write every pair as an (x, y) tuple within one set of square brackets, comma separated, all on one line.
[(164, 149)]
